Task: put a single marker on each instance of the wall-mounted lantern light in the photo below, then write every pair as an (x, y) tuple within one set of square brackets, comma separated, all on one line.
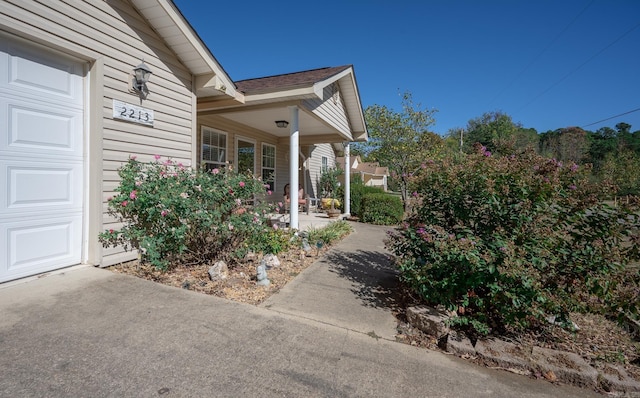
[(140, 79), (282, 123)]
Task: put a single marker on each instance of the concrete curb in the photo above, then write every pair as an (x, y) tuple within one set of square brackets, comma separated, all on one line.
[(553, 365)]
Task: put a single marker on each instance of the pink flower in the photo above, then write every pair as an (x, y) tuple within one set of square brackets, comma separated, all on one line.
[(279, 204), (241, 184), (164, 213), (110, 198), (133, 195), (275, 226), (138, 183), (230, 191), (157, 157), (574, 167), (111, 231), (269, 192), (124, 203), (133, 157), (215, 171)]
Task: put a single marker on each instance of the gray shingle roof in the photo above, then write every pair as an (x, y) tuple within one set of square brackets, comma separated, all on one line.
[(289, 80)]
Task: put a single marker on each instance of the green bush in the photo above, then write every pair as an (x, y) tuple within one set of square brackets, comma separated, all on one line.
[(508, 241), (172, 213), (328, 234), (271, 241), (358, 191), (381, 209)]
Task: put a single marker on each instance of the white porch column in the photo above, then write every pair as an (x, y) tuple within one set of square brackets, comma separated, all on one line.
[(347, 180), (294, 147)]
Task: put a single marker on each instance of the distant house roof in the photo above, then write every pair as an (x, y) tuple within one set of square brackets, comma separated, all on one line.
[(372, 168), (289, 80)]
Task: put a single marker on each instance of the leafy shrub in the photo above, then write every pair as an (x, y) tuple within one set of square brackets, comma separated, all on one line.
[(358, 191), (381, 209), (174, 213), (508, 241), (271, 241), (329, 234)]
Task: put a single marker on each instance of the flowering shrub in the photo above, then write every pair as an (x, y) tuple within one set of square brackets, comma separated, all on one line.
[(508, 241), (174, 213)]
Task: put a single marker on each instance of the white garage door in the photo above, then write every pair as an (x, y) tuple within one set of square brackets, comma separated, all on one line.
[(41, 160)]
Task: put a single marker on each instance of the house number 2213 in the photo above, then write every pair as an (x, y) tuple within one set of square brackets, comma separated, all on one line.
[(132, 113)]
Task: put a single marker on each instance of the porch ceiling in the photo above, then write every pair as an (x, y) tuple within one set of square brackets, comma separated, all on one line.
[(312, 130)]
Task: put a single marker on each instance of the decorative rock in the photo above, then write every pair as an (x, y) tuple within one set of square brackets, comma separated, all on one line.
[(251, 256), (218, 271), (569, 368), (615, 379), (459, 345), (504, 354), (270, 261), (429, 320), (261, 270), (305, 245)]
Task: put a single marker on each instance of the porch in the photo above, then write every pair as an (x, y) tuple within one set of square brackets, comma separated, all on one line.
[(305, 221)]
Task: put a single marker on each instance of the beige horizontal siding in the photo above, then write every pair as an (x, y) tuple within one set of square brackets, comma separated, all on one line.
[(332, 111)]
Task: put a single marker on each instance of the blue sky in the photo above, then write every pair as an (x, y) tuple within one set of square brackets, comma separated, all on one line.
[(547, 63)]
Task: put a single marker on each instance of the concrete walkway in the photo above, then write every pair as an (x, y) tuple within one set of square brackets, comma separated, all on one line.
[(91, 333), (351, 287)]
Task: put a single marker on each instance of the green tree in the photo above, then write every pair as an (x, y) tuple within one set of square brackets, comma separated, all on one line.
[(400, 140), (566, 144), (622, 168), (497, 132)]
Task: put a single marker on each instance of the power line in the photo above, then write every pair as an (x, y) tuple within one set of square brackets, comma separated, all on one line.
[(580, 66), (612, 117), (541, 53)]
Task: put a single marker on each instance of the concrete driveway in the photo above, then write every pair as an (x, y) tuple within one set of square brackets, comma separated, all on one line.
[(91, 333)]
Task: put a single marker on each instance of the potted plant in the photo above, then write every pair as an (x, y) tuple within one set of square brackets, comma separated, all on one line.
[(328, 187)]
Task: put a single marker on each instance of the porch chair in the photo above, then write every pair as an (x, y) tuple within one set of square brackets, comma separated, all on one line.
[(303, 200)]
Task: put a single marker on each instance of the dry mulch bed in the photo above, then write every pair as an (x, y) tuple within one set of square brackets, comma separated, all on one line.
[(239, 286)]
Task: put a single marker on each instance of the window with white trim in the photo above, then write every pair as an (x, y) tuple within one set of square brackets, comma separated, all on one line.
[(325, 164), (269, 165), (214, 148)]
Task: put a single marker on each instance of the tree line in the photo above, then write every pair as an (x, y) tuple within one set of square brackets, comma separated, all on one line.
[(403, 142)]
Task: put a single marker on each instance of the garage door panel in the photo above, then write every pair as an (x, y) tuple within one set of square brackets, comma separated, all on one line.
[(40, 186), (39, 245), (34, 127), (32, 72)]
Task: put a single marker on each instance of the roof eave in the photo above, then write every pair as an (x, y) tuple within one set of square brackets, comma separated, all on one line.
[(167, 20)]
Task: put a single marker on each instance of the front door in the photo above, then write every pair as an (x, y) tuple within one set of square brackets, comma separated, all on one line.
[(246, 156)]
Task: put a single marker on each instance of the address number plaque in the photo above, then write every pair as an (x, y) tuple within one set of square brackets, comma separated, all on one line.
[(132, 113)]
